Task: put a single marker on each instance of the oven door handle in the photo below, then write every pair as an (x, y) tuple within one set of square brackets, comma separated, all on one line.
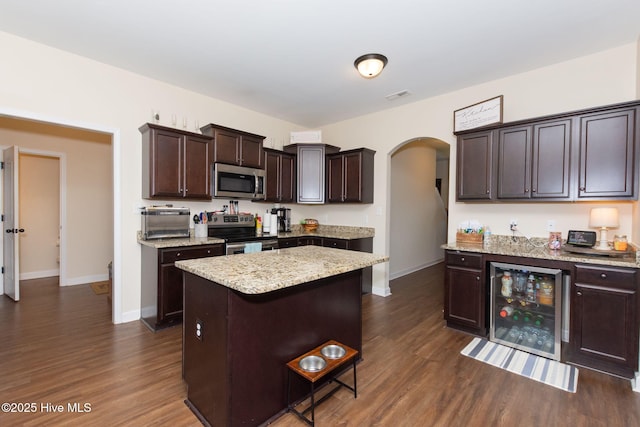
[(234, 246)]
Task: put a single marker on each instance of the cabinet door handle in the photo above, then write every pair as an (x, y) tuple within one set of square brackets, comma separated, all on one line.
[(462, 259), (478, 278), (603, 276), (579, 293), (526, 190), (487, 191), (533, 191), (582, 188), (178, 254)]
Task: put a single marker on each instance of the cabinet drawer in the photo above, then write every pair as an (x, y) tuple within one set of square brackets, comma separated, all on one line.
[(465, 259), (168, 256), (606, 276), (336, 243)]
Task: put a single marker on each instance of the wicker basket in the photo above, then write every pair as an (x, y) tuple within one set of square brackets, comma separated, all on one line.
[(469, 238), (310, 224)]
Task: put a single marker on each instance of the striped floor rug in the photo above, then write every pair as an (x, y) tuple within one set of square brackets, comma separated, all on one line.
[(537, 368)]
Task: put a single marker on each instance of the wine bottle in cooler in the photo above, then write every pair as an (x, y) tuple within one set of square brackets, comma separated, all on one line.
[(527, 317), (517, 315), (538, 320)]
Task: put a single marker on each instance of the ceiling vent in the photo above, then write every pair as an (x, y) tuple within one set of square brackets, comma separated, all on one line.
[(401, 94)]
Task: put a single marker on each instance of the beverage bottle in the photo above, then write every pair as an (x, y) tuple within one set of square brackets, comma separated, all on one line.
[(531, 289), (517, 315), (486, 238), (527, 317), (506, 311), (538, 320), (258, 226)]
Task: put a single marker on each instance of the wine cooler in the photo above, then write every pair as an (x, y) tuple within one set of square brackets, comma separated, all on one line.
[(526, 310)]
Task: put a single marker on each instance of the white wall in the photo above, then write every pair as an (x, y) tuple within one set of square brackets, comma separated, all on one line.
[(40, 82), (604, 78), (418, 221), (36, 80)]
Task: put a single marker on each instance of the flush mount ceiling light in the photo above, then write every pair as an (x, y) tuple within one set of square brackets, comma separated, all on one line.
[(370, 65)]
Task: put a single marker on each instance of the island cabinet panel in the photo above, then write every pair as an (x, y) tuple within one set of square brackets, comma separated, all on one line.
[(175, 164), (235, 147), (235, 367), (604, 319), (162, 282), (608, 144), (475, 166), (465, 292)]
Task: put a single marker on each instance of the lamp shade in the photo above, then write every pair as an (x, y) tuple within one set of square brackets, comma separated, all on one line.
[(370, 65), (604, 217)]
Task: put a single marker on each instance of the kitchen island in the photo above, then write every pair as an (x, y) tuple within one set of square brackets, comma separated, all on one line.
[(246, 316)]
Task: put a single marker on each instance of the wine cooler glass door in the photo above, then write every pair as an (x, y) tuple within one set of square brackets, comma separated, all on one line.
[(526, 308)]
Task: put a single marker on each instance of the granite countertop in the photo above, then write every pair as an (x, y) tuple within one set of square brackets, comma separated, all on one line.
[(180, 242), (537, 248), (262, 272), (328, 231)]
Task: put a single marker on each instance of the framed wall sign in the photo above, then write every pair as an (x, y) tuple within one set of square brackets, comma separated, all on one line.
[(477, 115)]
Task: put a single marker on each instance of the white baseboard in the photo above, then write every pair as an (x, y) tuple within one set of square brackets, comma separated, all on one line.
[(130, 316), (83, 280), (413, 269), (39, 274)]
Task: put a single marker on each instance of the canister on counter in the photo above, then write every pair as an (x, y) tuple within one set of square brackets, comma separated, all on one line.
[(555, 240), (620, 242)]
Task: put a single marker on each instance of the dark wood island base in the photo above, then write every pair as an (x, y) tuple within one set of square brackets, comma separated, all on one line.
[(236, 346)]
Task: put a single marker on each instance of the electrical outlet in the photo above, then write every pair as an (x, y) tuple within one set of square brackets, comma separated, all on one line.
[(513, 225), (551, 225), (199, 329)]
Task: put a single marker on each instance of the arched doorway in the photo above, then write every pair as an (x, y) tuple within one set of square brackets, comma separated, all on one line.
[(418, 209)]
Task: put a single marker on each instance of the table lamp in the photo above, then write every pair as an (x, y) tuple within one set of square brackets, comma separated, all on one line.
[(603, 218)]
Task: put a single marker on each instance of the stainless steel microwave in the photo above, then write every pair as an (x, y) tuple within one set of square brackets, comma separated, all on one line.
[(237, 182)]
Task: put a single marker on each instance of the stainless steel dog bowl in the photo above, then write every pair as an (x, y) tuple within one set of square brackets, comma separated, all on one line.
[(333, 351), (312, 363)]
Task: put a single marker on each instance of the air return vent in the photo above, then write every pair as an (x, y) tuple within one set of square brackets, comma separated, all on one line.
[(397, 95)]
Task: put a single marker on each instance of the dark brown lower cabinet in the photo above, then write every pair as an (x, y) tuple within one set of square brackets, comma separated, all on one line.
[(161, 298), (604, 319), (236, 346), (465, 296)]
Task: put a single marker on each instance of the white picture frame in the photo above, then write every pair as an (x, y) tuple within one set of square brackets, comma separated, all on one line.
[(481, 114)]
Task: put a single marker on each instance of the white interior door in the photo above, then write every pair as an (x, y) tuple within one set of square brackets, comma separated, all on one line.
[(11, 241)]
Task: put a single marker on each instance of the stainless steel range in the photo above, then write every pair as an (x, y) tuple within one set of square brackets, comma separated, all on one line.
[(239, 233)]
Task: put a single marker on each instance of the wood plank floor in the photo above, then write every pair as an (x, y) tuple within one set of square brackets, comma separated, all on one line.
[(58, 347)]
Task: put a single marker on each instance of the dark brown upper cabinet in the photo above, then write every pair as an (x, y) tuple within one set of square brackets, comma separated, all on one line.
[(280, 168), (533, 161), (608, 155), (475, 166), (175, 164), (585, 155), (235, 147), (350, 176)]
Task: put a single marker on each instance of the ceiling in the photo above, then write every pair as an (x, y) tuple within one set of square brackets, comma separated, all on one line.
[(293, 59)]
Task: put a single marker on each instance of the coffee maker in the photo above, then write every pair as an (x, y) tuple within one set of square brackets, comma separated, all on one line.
[(284, 219)]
